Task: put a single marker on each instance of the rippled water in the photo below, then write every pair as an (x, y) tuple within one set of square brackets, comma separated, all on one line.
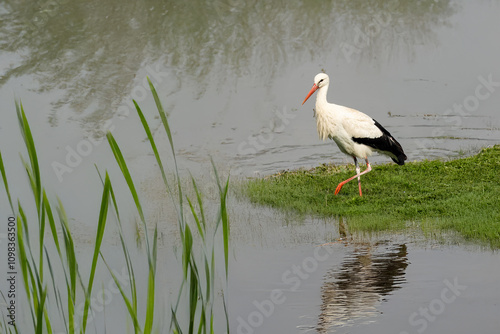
[(352, 293), (382, 284), (232, 75)]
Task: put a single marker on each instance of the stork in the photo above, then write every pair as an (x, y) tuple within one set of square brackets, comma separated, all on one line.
[(355, 133)]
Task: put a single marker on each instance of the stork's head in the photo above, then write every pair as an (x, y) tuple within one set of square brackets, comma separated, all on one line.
[(320, 80)]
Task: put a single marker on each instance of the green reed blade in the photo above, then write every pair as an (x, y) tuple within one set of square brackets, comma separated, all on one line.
[(223, 190), (5, 182), (39, 312), (51, 220), (103, 212), (131, 310), (30, 146), (152, 142), (71, 263), (126, 253), (128, 178), (166, 126), (197, 220), (148, 326)]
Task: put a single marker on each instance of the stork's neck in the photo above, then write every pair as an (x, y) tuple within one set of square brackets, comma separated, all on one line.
[(321, 101)]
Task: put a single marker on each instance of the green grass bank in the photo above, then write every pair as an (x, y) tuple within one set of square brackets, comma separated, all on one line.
[(461, 195)]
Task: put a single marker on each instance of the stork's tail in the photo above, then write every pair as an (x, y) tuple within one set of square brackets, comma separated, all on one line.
[(393, 146)]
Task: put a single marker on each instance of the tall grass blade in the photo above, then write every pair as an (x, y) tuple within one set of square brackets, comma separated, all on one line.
[(113, 198), (200, 202), (30, 146), (197, 220), (128, 178), (5, 182), (225, 312), (52, 224), (41, 236), (71, 264), (187, 246), (163, 117), (123, 167), (24, 232), (193, 297), (152, 142), (148, 326), (103, 212), (55, 289), (207, 279), (128, 261), (47, 318), (210, 273), (175, 323), (40, 311), (131, 310), (23, 258), (202, 325), (151, 253), (223, 190)]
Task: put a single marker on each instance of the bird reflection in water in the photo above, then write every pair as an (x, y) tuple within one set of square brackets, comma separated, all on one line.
[(350, 295)]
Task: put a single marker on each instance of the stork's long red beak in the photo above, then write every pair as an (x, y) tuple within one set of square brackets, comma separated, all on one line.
[(311, 92)]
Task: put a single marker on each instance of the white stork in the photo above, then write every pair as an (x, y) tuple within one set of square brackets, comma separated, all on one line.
[(355, 133)]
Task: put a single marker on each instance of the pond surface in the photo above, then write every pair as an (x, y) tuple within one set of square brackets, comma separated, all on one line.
[(232, 75), (382, 287)]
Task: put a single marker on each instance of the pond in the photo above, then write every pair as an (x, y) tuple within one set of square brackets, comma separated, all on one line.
[(232, 75)]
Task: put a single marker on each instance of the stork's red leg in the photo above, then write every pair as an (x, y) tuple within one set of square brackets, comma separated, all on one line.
[(358, 174), (358, 171)]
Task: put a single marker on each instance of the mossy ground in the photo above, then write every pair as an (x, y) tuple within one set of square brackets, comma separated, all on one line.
[(462, 195)]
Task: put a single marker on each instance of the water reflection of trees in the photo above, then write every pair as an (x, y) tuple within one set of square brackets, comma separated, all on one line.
[(92, 50), (350, 295)]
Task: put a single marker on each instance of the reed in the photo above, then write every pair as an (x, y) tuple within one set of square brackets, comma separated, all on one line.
[(41, 258)]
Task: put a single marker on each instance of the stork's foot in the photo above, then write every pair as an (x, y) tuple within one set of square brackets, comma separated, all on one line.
[(339, 187), (341, 184), (358, 174)]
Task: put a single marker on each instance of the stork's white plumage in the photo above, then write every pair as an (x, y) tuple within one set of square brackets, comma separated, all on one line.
[(355, 133)]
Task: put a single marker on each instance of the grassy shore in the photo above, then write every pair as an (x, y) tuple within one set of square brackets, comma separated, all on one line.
[(462, 195)]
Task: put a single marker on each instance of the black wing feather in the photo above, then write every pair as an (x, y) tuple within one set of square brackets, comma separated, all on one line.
[(384, 143)]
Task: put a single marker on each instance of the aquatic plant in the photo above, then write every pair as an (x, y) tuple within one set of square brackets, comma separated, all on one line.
[(196, 295)]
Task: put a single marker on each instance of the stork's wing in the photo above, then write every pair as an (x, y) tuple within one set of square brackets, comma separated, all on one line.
[(360, 125), (365, 130)]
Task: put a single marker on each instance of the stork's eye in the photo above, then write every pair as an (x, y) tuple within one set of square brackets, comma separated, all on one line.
[(320, 81)]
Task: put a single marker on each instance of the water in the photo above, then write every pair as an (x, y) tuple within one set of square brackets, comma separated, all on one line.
[(332, 282), (232, 75)]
